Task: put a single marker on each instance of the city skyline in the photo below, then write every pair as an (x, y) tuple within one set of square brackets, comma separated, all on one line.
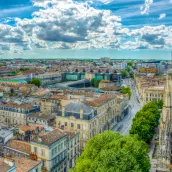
[(86, 29)]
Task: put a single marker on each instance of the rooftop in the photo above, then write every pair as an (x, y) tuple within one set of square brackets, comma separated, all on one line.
[(19, 145), (42, 116), (25, 164), (49, 137), (4, 166), (104, 98), (157, 88), (4, 132), (76, 107)]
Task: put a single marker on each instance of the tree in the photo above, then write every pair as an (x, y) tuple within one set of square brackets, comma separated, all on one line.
[(126, 90), (131, 75), (145, 122), (94, 82), (141, 126), (159, 103), (112, 152), (35, 81), (94, 64), (131, 63), (123, 73)]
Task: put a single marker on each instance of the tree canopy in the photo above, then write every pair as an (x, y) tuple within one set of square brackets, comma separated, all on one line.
[(112, 152), (145, 122), (35, 81), (123, 73), (95, 82), (126, 90)]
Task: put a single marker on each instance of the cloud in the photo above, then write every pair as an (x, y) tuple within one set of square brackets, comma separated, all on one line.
[(145, 9), (162, 16), (13, 36), (154, 36), (69, 22)]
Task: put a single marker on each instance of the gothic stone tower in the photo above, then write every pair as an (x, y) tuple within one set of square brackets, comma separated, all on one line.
[(165, 139)]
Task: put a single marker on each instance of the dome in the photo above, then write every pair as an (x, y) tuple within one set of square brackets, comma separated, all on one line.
[(76, 107)]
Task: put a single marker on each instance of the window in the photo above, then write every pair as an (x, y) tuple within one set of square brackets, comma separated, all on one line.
[(72, 125), (35, 150), (42, 152), (78, 126), (65, 123), (84, 127)]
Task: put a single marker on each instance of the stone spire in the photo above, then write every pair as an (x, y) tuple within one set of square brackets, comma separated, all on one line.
[(165, 139)]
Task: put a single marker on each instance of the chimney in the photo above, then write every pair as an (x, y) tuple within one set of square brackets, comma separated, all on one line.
[(81, 113), (63, 110)]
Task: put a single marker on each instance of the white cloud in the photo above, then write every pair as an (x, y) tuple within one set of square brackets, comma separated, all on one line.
[(65, 24), (145, 8), (162, 16), (72, 23)]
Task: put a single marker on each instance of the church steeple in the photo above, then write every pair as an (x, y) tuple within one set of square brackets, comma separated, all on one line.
[(165, 139)]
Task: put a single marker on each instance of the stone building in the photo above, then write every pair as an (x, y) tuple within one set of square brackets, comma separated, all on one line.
[(165, 139), (14, 114), (57, 149), (154, 92), (89, 117)]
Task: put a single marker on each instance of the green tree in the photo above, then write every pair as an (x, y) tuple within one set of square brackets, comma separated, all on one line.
[(112, 152), (141, 127), (131, 75), (92, 82), (131, 63), (126, 90), (145, 122), (123, 73), (35, 81), (94, 64), (159, 103)]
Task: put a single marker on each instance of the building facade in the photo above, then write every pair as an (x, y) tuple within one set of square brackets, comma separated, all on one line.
[(13, 114), (89, 117), (165, 134), (151, 93), (57, 150)]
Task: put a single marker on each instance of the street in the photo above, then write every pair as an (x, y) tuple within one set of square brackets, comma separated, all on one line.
[(124, 126)]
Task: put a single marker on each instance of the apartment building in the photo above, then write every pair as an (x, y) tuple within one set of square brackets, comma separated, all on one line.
[(88, 117), (122, 106), (149, 86), (14, 114), (154, 92), (57, 150)]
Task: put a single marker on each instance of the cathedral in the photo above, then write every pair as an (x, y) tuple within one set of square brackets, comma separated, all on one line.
[(165, 133)]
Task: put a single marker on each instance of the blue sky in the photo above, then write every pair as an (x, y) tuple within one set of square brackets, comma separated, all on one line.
[(86, 28)]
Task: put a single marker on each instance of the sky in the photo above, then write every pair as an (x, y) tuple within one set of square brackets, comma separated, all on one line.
[(86, 29)]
